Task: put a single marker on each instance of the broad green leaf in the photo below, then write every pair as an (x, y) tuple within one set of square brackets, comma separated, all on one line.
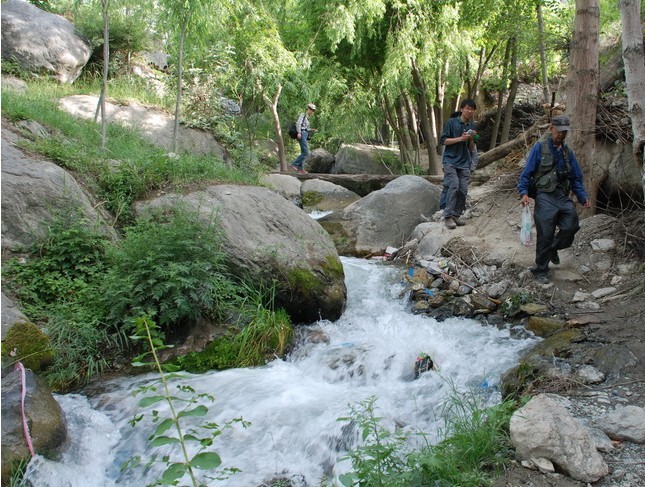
[(164, 440), (174, 472), (198, 411), (164, 426), (149, 401), (206, 460)]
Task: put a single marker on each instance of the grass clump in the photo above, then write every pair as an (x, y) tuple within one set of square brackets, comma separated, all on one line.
[(474, 447)]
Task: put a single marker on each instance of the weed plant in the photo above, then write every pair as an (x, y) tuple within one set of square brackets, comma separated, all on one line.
[(475, 445), (175, 433)]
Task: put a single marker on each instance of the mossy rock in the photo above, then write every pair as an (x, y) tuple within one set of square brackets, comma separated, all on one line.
[(27, 343), (544, 327), (536, 362)]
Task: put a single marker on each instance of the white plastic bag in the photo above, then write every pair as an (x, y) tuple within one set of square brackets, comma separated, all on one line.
[(526, 227)]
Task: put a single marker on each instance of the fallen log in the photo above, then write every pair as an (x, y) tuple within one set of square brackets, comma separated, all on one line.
[(524, 140)]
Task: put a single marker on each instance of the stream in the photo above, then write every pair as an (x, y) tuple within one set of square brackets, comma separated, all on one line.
[(293, 405)]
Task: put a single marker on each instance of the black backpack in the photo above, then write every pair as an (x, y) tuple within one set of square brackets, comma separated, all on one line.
[(293, 131)]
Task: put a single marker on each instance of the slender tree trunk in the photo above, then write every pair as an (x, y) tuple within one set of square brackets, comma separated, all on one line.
[(434, 165), (273, 107), (105, 4), (634, 60), (405, 142), (512, 93), (412, 128), (545, 79), (500, 94), (180, 74), (582, 92)]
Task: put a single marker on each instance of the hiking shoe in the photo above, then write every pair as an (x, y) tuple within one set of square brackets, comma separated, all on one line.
[(555, 258), (458, 221), (450, 223), (540, 275), (302, 171), (293, 168)]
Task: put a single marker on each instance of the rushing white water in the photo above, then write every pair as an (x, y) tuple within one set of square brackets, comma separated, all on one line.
[(293, 405)]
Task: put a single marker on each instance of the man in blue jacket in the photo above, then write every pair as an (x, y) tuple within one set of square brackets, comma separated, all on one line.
[(458, 141), (550, 175)]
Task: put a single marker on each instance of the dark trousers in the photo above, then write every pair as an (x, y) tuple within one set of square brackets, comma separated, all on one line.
[(553, 210), (456, 181)]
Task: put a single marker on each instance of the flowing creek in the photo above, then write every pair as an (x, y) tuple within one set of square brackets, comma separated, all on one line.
[(293, 405)]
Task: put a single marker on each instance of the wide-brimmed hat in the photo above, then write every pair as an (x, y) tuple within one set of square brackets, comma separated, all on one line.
[(561, 123), (311, 106)]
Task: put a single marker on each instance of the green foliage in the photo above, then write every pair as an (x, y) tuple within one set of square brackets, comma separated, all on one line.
[(85, 344), (170, 265), (511, 305), (265, 334), (128, 170), (64, 266), (176, 426), (57, 285), (475, 445), (381, 458)]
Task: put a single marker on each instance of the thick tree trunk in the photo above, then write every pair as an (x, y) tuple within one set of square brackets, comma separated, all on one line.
[(634, 60), (273, 107), (582, 92)]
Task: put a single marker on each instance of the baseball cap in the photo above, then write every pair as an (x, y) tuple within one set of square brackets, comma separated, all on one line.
[(561, 123), (311, 106)]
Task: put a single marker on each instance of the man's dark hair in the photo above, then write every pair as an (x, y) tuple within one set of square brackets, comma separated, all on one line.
[(468, 102)]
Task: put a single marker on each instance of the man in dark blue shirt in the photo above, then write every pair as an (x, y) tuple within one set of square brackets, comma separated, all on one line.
[(458, 139), (555, 171)]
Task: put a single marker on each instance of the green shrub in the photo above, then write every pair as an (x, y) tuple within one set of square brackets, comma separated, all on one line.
[(171, 266), (57, 286), (474, 446)]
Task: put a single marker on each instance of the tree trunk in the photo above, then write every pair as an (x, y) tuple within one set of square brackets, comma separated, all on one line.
[(105, 4), (412, 128), (634, 60), (405, 142), (273, 107), (500, 94), (512, 93), (522, 141), (582, 92), (180, 74), (545, 79), (434, 165)]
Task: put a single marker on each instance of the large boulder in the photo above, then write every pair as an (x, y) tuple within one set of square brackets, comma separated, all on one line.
[(44, 416), (285, 185), (545, 429), (385, 217), (320, 161), (42, 42), (320, 195), (32, 192), (365, 159), (152, 124), (267, 237)]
